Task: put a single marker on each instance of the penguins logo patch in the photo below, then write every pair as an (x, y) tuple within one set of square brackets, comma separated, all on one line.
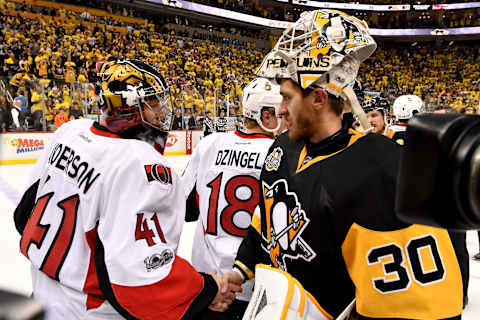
[(285, 222), (272, 162)]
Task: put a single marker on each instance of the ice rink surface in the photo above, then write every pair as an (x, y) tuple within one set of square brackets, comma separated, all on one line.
[(15, 268)]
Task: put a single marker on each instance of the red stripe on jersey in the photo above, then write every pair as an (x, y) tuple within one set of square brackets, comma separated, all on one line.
[(95, 297), (197, 197), (252, 135), (103, 133), (166, 299)]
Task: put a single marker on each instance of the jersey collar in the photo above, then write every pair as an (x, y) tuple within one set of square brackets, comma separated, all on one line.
[(99, 130), (302, 164), (252, 135)]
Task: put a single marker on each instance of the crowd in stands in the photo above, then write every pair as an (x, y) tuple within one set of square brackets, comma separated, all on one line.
[(448, 75), (48, 56), (202, 74)]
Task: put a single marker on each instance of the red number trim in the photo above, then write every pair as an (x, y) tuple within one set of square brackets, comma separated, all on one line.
[(35, 232), (159, 230), (234, 205), (62, 242), (143, 232), (213, 204)]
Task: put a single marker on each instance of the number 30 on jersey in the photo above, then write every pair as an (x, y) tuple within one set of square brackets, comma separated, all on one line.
[(396, 273)]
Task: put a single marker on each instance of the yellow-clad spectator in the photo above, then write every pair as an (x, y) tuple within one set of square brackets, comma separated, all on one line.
[(62, 12), (18, 79), (58, 70), (66, 95), (55, 93), (219, 83), (208, 83), (70, 74), (209, 101), (42, 65), (37, 99), (188, 98), (198, 101), (83, 76), (45, 81), (10, 64)]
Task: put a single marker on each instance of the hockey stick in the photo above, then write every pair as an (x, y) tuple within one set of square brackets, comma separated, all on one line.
[(276, 237), (357, 109)]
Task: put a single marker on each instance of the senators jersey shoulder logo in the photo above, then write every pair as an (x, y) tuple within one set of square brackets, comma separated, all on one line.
[(285, 221), (158, 172)]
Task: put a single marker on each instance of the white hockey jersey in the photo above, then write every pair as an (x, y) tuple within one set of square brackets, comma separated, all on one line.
[(224, 172), (104, 230)]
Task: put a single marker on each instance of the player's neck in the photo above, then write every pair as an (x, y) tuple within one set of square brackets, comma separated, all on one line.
[(324, 130)]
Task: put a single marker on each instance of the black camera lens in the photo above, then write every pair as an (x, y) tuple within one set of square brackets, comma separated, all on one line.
[(466, 161), (439, 174)]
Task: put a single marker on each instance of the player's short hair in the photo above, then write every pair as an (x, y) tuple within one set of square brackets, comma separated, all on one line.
[(336, 103)]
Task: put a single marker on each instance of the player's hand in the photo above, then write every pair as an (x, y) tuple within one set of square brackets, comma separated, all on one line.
[(235, 280), (225, 294)]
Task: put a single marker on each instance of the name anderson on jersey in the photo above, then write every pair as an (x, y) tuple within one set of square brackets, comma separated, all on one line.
[(67, 160), (238, 158)]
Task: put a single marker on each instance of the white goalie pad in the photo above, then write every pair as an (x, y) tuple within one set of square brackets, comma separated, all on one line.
[(345, 315), (278, 295)]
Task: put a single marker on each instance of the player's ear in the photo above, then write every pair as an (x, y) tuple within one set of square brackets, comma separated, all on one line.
[(319, 98)]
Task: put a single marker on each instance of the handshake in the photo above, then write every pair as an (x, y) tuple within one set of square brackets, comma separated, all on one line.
[(228, 285)]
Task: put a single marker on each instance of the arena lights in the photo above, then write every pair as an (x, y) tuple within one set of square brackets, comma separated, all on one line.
[(228, 14), (380, 7)]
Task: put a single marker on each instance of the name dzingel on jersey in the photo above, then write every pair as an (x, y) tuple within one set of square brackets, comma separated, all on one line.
[(238, 158), (67, 160)]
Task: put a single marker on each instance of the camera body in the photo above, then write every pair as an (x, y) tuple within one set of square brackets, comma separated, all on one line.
[(439, 178)]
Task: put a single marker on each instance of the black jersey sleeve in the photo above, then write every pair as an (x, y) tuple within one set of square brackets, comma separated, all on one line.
[(192, 210), (25, 207), (250, 253)]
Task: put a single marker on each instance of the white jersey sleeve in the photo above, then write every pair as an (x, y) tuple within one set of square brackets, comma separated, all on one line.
[(106, 222)]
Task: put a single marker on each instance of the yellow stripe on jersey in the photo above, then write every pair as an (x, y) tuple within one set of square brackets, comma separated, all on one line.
[(255, 223), (390, 133), (245, 269), (409, 273), (355, 136)]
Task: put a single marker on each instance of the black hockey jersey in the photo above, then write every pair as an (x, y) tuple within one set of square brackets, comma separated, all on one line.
[(207, 126), (327, 217), (397, 133)]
